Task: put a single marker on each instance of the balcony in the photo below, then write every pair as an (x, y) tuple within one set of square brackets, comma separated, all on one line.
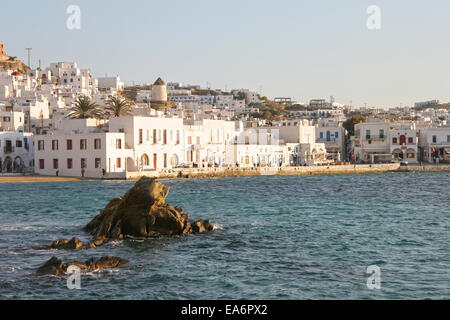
[(376, 137), (8, 149)]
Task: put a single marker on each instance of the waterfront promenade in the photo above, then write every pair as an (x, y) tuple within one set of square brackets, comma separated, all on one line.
[(194, 173)]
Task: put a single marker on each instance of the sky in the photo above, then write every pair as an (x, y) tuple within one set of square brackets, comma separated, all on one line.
[(299, 49)]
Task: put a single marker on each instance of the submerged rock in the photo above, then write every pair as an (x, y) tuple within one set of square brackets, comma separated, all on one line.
[(143, 212), (55, 267), (72, 244)]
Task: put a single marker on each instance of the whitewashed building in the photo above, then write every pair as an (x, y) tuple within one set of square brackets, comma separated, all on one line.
[(16, 152), (81, 148), (434, 144)]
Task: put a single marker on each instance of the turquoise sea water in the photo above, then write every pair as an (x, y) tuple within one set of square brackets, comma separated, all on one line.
[(278, 238)]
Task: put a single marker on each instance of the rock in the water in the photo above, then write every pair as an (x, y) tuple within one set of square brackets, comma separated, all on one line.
[(202, 226), (55, 267), (72, 244), (143, 212)]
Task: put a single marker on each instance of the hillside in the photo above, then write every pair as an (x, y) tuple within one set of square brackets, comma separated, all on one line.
[(14, 65)]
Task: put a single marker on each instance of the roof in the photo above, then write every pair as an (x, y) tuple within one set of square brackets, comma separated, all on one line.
[(159, 82)]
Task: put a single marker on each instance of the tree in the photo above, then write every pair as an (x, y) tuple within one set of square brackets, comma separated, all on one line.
[(118, 106), (349, 124), (83, 108)]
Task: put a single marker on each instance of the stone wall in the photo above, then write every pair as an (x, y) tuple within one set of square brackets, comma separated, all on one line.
[(239, 172)]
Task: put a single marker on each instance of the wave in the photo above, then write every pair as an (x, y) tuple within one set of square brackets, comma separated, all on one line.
[(217, 226)]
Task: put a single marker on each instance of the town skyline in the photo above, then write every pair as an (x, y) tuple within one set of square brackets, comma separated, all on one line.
[(293, 49)]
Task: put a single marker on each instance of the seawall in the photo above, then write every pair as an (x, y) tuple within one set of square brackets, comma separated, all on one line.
[(242, 172)]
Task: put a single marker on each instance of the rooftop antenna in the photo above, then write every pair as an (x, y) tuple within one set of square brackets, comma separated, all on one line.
[(29, 56)]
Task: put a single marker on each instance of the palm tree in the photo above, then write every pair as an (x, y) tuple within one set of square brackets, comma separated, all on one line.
[(83, 108), (118, 106)]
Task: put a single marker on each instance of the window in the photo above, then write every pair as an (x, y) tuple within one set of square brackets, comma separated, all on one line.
[(189, 140), (321, 136), (336, 135), (165, 160), (41, 164), (367, 134), (54, 144), (434, 139), (165, 137), (448, 138), (410, 140), (140, 136), (69, 144), (402, 140), (83, 163), (394, 140), (69, 164), (118, 143), (18, 143), (83, 144), (381, 133), (55, 163), (118, 163), (198, 140), (97, 144), (41, 145), (98, 163), (178, 136), (154, 136)]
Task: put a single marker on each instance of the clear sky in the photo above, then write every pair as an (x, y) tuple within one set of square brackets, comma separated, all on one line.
[(300, 49)]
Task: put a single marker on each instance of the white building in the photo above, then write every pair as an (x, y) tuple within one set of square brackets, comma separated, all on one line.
[(376, 142), (434, 144), (371, 142), (70, 76), (81, 148), (332, 134), (113, 83), (157, 143), (16, 152)]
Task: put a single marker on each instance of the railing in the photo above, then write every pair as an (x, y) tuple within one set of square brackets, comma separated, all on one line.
[(376, 137), (7, 149)]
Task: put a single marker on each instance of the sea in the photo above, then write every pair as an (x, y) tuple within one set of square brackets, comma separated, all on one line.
[(373, 236)]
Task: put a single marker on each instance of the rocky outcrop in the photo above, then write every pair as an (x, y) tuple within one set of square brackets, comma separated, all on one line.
[(73, 244), (13, 65), (56, 267), (143, 212)]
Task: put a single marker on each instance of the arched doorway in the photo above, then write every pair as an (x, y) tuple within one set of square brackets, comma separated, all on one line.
[(7, 165), (18, 164), (145, 160), (398, 154)]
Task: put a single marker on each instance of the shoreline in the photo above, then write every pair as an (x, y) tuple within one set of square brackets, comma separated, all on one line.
[(202, 173), (37, 178)]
